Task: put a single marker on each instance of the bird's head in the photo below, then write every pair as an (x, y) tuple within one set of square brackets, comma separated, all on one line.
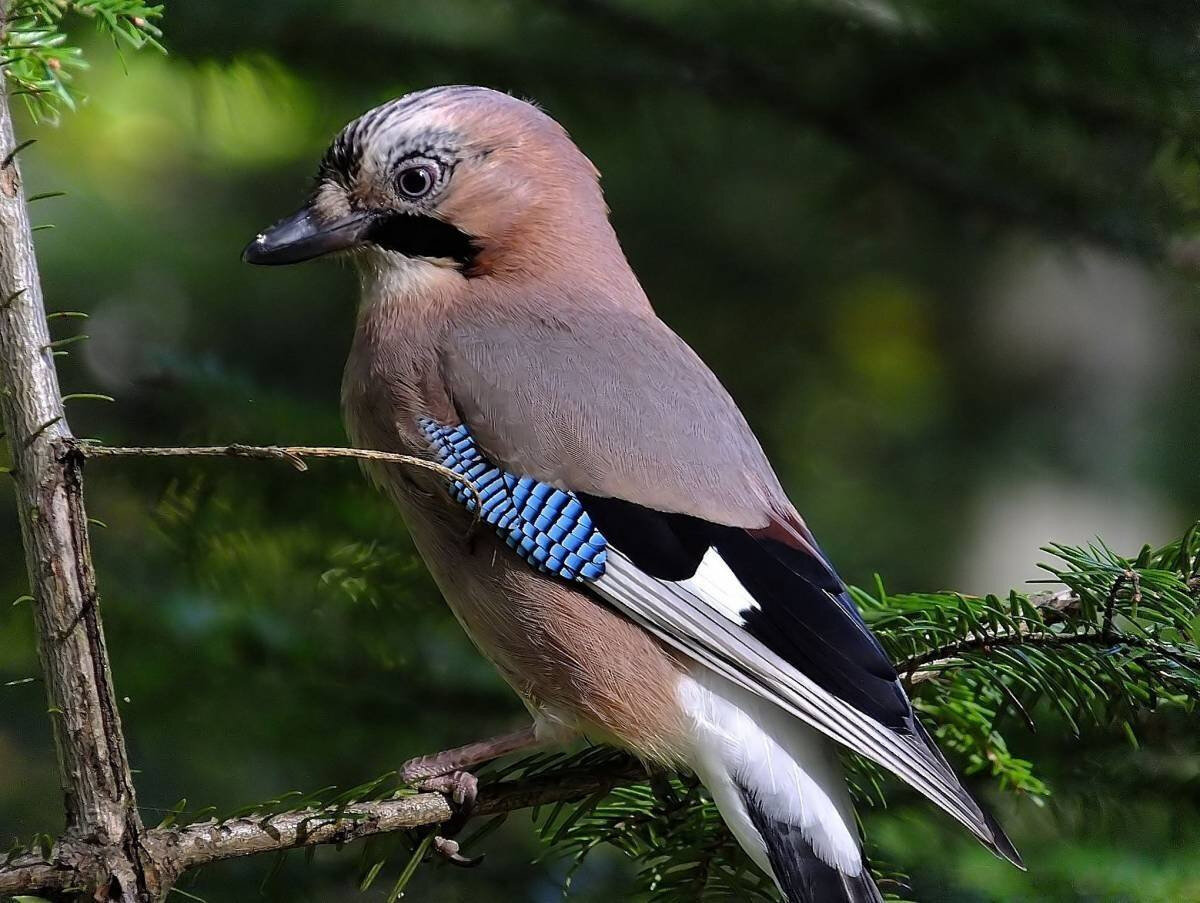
[(462, 181)]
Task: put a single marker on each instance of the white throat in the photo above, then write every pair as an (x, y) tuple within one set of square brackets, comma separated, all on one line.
[(389, 276)]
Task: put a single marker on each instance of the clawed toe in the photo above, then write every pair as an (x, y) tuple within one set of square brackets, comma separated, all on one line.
[(449, 849), (461, 786)]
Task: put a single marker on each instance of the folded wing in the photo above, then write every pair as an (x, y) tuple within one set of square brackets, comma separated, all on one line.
[(658, 498)]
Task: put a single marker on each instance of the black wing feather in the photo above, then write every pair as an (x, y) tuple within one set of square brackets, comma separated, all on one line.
[(805, 615), (807, 624)]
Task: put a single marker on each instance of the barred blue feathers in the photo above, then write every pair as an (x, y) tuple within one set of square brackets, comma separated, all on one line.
[(547, 527)]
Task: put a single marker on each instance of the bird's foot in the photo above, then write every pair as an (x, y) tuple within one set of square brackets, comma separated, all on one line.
[(460, 788), (416, 771), (446, 772)]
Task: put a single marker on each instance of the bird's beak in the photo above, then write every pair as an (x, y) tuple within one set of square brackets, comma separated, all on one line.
[(304, 235)]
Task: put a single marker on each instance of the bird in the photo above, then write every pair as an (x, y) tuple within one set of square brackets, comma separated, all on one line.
[(598, 515)]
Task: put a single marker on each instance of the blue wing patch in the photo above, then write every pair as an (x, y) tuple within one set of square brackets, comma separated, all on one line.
[(545, 526)]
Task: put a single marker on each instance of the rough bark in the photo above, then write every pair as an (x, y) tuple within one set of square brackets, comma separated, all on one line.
[(93, 767), (174, 850)]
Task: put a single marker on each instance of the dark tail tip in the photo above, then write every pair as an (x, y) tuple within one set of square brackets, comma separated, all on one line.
[(800, 873), (1001, 845), (998, 842)]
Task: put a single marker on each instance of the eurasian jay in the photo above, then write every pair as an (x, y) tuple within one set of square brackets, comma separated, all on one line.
[(642, 578)]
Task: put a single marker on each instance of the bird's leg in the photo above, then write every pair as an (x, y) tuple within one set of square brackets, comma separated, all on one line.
[(461, 758), (446, 772)]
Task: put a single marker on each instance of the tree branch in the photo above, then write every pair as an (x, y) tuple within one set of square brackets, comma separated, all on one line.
[(176, 850), (93, 765), (171, 851), (1055, 607), (927, 666), (293, 454), (920, 668)]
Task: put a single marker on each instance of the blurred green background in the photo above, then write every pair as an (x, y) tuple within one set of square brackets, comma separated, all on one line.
[(928, 246)]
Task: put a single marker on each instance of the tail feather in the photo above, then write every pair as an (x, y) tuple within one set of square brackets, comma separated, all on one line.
[(999, 842), (779, 787), (801, 874)]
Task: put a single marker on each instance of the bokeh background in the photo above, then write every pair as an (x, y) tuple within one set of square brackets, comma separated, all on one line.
[(940, 253)]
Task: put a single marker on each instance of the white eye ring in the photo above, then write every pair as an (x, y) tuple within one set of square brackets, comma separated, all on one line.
[(417, 181)]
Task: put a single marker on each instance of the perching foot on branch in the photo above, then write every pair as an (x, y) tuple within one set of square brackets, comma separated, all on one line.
[(461, 788), (446, 772)]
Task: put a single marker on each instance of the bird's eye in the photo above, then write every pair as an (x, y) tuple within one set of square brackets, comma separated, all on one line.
[(417, 181)]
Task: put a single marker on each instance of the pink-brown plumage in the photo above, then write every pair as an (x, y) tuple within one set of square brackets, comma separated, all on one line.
[(496, 299), (575, 663)]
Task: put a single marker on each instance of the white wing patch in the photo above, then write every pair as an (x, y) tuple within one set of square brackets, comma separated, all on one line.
[(717, 585)]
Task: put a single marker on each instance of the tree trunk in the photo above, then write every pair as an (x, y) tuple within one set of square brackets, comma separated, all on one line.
[(93, 766)]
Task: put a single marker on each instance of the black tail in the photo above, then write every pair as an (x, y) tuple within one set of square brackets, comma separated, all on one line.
[(802, 875)]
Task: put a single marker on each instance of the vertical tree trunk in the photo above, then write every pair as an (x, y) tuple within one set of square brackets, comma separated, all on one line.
[(93, 766)]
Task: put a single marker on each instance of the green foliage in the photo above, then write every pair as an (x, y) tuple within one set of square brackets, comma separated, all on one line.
[(1118, 643), (40, 59), (1123, 642), (668, 827)]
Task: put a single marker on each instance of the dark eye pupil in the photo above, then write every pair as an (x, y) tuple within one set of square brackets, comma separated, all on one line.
[(416, 181)]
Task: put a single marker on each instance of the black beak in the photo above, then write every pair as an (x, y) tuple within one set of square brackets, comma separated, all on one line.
[(303, 236)]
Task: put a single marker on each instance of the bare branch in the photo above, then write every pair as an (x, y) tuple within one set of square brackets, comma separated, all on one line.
[(34, 875), (293, 454), (176, 850), (196, 845)]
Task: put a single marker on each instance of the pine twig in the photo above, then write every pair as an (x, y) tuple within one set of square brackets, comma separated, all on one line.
[(920, 668)]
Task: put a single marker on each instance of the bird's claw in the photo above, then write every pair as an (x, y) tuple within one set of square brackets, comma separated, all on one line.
[(460, 786), (449, 850)]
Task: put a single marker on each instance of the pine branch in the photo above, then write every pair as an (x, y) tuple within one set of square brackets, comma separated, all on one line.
[(39, 58), (1121, 632), (926, 666)]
